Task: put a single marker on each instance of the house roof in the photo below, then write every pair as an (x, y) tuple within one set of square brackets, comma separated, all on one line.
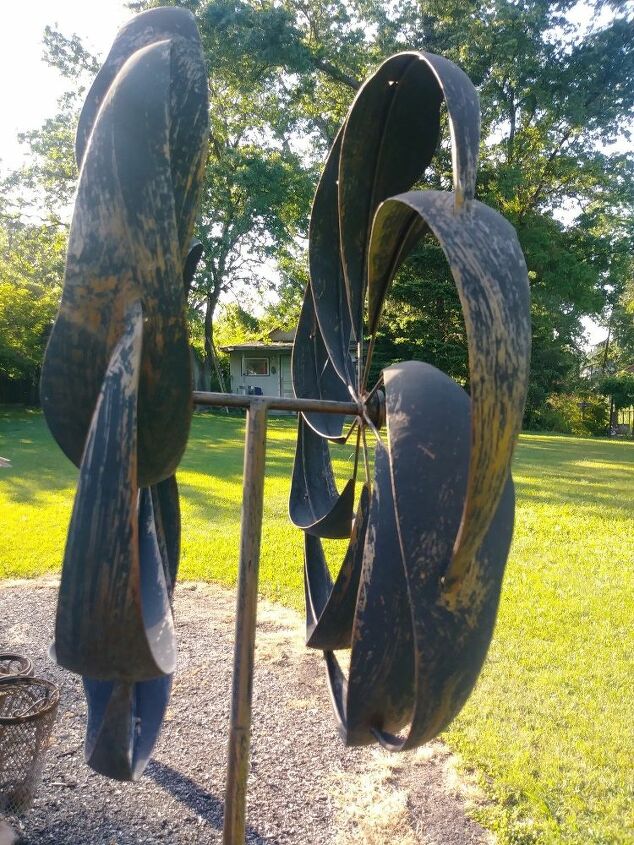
[(282, 335), (258, 346)]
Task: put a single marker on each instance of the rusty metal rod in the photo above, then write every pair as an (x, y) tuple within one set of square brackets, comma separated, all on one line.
[(246, 611), (257, 407), (276, 403)]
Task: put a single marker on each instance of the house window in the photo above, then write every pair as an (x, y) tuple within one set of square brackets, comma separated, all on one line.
[(255, 366)]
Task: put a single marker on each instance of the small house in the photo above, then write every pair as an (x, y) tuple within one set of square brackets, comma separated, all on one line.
[(262, 366)]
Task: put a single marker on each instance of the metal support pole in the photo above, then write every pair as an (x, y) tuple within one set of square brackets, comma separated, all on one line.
[(257, 408), (246, 610)]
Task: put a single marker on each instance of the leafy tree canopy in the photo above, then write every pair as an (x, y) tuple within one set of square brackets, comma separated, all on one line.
[(554, 97), (31, 268)]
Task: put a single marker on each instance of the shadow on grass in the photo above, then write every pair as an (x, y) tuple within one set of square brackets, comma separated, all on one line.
[(218, 459), (548, 469), (558, 470), (38, 467)]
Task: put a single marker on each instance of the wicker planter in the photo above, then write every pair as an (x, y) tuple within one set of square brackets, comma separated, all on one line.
[(15, 664), (27, 711)]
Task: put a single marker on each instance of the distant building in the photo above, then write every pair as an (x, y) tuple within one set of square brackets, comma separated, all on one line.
[(262, 366)]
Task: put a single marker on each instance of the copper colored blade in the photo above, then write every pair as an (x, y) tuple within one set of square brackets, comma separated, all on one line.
[(389, 138), (490, 273)]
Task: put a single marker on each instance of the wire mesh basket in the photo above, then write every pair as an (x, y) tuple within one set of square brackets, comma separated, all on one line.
[(15, 664), (27, 711)]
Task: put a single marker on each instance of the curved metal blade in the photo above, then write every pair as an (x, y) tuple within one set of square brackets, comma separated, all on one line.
[(188, 120), (125, 718), (113, 615), (461, 99), (146, 28), (415, 660), (326, 273), (130, 235), (380, 689), (428, 429), (124, 723), (167, 522), (489, 270), (315, 505), (389, 138), (314, 375), (156, 591), (330, 607), (463, 107), (194, 255)]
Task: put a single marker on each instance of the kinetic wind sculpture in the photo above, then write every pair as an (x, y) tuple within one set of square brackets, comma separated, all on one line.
[(416, 596)]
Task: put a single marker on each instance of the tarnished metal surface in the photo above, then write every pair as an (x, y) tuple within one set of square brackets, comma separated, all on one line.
[(416, 597), (116, 382), (140, 174), (318, 508), (246, 611)]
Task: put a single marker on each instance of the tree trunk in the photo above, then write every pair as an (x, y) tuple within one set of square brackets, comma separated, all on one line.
[(512, 128), (211, 357), (607, 345)]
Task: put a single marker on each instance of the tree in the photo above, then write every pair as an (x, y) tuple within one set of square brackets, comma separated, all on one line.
[(35, 205), (43, 189), (235, 325), (552, 98), (253, 204), (31, 272), (620, 389), (423, 321), (618, 350)]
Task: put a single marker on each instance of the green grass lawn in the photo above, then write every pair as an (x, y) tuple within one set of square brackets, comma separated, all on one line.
[(548, 731)]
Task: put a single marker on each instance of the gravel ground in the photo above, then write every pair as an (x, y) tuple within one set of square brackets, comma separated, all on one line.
[(304, 786)]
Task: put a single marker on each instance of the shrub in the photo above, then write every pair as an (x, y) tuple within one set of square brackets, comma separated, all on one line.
[(572, 413)]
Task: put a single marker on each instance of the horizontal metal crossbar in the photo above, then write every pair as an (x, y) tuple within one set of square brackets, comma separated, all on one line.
[(276, 403)]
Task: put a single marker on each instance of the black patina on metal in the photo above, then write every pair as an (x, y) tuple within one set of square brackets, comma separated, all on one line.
[(116, 382), (417, 594), (429, 528)]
